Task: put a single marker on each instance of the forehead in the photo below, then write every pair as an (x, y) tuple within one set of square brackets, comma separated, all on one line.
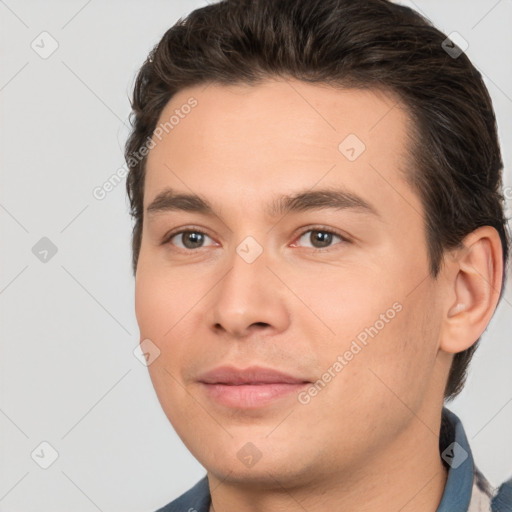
[(277, 135)]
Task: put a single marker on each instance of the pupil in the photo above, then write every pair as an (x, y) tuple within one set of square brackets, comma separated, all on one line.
[(192, 240), (322, 237)]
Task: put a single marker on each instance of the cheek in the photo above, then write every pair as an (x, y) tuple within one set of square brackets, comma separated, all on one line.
[(348, 301), (161, 300), (159, 306), (150, 303), (385, 336), (396, 366), (167, 307)]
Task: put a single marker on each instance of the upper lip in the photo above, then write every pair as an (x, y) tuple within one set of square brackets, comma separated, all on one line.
[(250, 375)]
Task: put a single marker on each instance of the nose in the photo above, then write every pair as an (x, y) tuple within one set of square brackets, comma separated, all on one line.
[(249, 298)]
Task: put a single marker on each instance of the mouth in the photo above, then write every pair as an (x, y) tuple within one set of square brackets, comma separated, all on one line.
[(249, 388)]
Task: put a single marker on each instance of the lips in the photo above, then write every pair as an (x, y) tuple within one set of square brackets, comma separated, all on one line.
[(254, 375), (249, 388)]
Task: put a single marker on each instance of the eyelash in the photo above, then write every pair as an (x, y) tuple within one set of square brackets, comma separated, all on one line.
[(167, 238)]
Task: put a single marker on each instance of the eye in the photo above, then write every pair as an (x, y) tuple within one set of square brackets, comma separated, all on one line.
[(188, 239), (320, 238)]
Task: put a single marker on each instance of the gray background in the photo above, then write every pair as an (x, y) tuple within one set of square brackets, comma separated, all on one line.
[(68, 373)]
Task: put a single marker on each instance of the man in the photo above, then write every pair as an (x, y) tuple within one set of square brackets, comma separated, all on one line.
[(319, 243)]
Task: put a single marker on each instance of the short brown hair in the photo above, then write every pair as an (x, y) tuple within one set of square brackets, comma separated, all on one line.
[(374, 44)]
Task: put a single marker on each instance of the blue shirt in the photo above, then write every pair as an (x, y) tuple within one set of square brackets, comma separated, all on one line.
[(466, 490)]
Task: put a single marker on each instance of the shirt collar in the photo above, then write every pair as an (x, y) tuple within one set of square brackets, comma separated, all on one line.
[(456, 454)]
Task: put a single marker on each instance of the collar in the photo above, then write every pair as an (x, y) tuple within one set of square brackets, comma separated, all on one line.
[(458, 459)]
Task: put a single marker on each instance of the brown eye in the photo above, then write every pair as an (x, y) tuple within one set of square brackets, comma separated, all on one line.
[(189, 239), (319, 238)]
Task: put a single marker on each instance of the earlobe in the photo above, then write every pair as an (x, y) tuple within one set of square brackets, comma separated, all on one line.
[(474, 276)]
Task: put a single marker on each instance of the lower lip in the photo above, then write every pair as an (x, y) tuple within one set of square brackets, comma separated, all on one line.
[(250, 396)]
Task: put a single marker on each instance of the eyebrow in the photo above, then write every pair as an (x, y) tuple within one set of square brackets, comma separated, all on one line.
[(338, 199)]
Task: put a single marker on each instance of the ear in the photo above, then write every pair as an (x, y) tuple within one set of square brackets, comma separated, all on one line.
[(473, 275)]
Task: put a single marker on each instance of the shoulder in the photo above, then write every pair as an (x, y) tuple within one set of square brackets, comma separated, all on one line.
[(486, 498), (481, 493), (196, 499), (466, 487), (502, 500)]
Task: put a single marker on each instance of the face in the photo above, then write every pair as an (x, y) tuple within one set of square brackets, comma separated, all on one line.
[(302, 253)]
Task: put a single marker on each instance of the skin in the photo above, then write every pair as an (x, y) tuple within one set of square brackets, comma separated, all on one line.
[(369, 439)]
